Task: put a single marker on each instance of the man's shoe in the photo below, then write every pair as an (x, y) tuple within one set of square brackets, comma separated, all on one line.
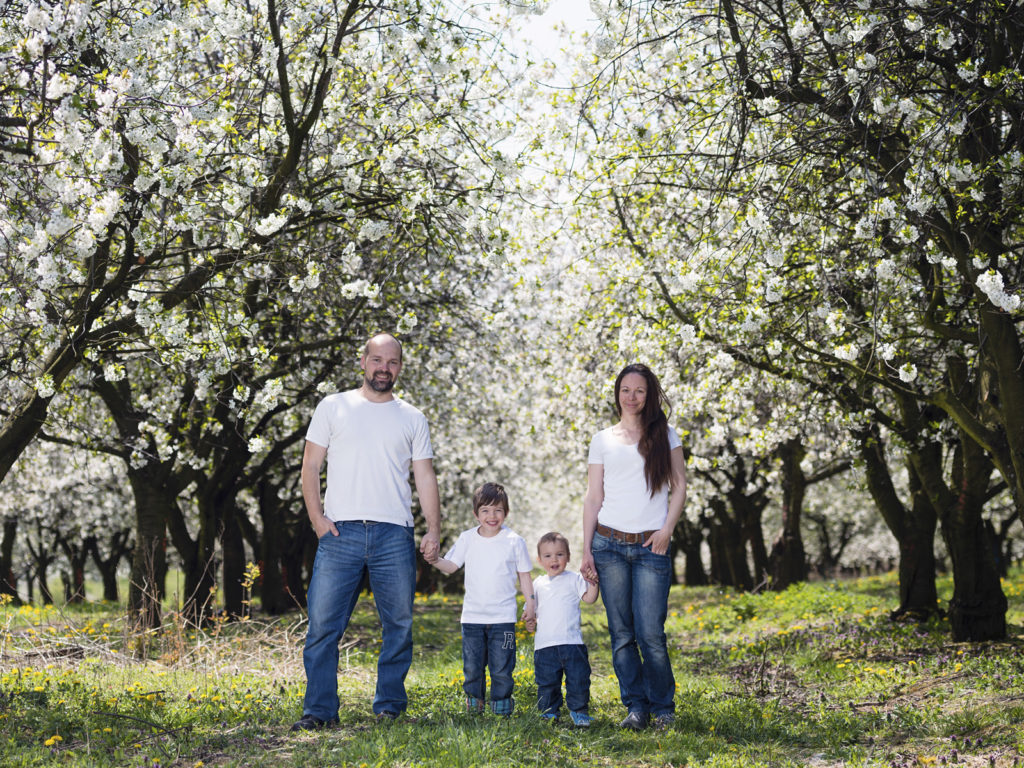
[(311, 723), (581, 719), (664, 721), (635, 721)]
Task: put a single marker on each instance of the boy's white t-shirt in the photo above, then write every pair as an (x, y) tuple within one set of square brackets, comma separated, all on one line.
[(558, 609), (493, 565), (628, 505), (370, 448)]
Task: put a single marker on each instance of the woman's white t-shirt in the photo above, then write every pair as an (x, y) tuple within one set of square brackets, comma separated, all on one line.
[(628, 505)]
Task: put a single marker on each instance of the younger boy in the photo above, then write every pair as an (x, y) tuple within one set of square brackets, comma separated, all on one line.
[(558, 646), (495, 559)]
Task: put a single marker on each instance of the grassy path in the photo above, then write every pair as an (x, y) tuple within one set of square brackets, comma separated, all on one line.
[(814, 676)]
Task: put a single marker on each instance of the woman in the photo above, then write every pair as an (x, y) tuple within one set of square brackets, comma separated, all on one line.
[(636, 487)]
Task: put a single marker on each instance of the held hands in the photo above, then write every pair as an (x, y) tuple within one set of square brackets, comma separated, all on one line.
[(430, 546), (530, 620), (587, 569)]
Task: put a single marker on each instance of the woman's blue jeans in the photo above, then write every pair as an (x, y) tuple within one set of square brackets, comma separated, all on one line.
[(388, 553), (634, 588)]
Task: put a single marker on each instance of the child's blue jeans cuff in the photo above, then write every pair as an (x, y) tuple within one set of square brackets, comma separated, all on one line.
[(502, 706)]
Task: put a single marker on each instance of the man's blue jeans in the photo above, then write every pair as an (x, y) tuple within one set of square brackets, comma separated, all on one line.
[(388, 552), (549, 664), (634, 588), (493, 647)]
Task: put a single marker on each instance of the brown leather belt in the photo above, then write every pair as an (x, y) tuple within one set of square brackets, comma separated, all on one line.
[(625, 538)]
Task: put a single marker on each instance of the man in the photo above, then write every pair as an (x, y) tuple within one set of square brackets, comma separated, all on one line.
[(370, 439)]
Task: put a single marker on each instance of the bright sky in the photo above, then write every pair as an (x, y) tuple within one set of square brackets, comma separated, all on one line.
[(538, 32)]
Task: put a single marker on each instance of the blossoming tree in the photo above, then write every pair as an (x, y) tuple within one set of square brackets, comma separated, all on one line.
[(832, 194)]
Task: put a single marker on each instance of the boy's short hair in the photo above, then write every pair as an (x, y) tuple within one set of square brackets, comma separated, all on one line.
[(554, 537), (489, 494)]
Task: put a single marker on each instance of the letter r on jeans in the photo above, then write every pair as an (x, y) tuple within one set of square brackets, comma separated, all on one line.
[(510, 641)]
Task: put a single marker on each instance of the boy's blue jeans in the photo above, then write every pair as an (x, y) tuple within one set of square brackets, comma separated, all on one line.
[(634, 588), (388, 552), (549, 664), (489, 647)]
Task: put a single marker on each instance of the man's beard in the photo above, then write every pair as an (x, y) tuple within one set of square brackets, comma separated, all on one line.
[(380, 385)]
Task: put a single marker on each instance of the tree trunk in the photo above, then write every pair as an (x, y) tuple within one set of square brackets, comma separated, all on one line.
[(107, 566), (827, 564), (201, 571), (690, 537), (273, 599), (147, 579), (77, 554), (42, 575), (201, 577), (919, 597), (233, 568), (297, 564), (729, 544), (977, 611), (913, 527), (108, 575), (749, 509), (8, 582), (1003, 398), (20, 428), (788, 559)]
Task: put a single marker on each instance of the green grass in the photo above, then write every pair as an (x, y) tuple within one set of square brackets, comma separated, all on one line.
[(815, 676)]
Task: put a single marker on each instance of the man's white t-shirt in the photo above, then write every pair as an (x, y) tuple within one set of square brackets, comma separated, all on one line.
[(493, 565), (558, 609), (628, 505), (370, 449)]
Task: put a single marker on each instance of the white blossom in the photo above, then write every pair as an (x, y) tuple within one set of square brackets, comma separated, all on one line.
[(373, 230), (991, 284), (407, 322), (945, 39), (847, 352), (801, 29), (44, 386), (270, 224), (103, 211), (113, 372), (604, 46), (867, 61)]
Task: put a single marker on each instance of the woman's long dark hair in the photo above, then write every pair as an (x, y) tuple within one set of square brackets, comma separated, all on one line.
[(654, 440)]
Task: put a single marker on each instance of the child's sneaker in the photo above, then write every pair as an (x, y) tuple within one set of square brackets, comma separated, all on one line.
[(581, 719), (549, 717)]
